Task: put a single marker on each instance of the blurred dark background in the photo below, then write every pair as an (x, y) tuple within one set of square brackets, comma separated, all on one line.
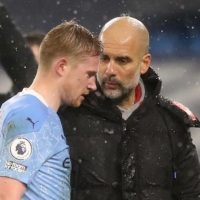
[(174, 28), (174, 25)]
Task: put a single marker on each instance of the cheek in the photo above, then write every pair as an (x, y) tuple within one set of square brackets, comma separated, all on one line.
[(81, 83), (100, 75), (102, 69), (132, 73)]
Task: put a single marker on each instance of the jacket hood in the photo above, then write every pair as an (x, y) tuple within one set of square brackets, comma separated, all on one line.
[(152, 81)]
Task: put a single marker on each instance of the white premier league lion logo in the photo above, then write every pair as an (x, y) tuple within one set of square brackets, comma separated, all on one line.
[(21, 149)]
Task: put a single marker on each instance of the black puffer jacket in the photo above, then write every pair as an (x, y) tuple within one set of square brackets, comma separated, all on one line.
[(148, 156)]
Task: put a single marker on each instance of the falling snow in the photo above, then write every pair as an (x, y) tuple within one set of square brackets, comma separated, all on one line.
[(174, 37)]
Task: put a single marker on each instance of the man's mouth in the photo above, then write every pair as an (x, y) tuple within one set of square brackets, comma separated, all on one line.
[(84, 95), (110, 85)]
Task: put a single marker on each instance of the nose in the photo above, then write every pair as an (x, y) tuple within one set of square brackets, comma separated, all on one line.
[(92, 84), (110, 71)]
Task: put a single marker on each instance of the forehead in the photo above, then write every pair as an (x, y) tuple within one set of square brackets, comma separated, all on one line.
[(118, 44), (90, 63), (117, 49)]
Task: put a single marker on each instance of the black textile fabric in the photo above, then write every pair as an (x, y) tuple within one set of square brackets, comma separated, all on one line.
[(148, 156)]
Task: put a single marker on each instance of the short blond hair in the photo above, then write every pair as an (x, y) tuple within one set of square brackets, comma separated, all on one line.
[(68, 39)]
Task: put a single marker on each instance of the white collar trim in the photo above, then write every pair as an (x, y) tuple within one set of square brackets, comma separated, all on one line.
[(34, 93)]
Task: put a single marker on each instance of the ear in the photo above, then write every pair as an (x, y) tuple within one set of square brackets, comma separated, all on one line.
[(60, 66), (146, 60)]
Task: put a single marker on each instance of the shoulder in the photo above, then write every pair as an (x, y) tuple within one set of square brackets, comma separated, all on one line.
[(180, 111), (23, 114)]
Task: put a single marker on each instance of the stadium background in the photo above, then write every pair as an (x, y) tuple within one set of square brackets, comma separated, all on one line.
[(174, 28)]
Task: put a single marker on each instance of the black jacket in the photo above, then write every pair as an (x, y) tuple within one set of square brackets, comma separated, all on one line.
[(148, 156), (15, 55)]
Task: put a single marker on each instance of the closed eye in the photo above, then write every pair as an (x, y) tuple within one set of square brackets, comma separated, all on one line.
[(105, 58), (90, 74), (123, 60)]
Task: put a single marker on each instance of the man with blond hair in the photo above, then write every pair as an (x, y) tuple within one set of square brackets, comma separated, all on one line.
[(34, 161), (126, 141)]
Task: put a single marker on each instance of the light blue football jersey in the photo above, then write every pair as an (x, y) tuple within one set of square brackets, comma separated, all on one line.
[(33, 148)]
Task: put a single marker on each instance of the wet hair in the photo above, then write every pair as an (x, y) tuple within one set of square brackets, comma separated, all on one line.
[(34, 38), (69, 39)]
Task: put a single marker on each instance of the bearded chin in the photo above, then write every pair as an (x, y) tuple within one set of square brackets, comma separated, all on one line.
[(123, 92), (119, 95)]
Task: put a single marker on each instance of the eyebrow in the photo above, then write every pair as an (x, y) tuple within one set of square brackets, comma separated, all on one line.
[(92, 73), (123, 57)]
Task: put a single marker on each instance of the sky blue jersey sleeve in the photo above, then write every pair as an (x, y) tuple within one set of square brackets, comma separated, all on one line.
[(34, 151)]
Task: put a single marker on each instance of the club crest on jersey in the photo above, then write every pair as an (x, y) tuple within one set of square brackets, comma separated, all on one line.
[(67, 163), (21, 149)]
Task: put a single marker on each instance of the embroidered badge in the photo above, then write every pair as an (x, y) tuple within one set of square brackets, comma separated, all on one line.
[(21, 149), (67, 163), (15, 167)]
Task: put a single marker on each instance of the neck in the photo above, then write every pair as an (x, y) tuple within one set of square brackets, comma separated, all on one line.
[(127, 102), (49, 91), (133, 97)]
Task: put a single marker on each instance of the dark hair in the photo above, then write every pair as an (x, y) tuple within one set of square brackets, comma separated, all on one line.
[(34, 38)]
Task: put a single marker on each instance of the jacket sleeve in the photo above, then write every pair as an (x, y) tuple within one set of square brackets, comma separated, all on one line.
[(186, 182), (185, 162), (15, 55)]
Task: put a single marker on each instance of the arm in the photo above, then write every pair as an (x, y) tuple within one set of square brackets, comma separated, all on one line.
[(11, 189), (15, 54), (178, 118), (187, 183)]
